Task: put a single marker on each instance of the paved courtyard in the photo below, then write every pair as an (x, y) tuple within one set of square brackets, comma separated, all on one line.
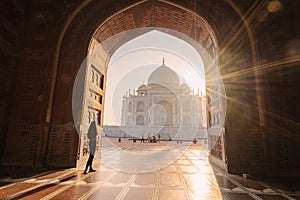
[(190, 176)]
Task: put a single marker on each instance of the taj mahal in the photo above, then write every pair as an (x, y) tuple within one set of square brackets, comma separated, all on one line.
[(164, 105)]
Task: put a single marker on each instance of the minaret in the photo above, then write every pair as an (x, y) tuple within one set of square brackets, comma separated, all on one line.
[(124, 111)]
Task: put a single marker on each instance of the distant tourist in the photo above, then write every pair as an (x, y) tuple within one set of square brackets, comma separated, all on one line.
[(154, 139), (143, 139)]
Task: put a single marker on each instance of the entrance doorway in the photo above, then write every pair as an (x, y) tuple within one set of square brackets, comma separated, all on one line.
[(170, 115)]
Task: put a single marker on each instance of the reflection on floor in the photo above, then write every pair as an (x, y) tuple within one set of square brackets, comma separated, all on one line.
[(189, 177)]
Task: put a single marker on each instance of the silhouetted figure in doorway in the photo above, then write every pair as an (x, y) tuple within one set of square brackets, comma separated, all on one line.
[(92, 133)]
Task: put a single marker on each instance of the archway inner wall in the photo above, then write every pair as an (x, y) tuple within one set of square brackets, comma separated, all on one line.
[(248, 140), (74, 47), (237, 56)]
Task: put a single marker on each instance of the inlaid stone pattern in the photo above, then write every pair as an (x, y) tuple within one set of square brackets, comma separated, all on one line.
[(115, 25), (180, 20), (21, 146), (62, 136), (160, 15), (164, 17), (216, 146)]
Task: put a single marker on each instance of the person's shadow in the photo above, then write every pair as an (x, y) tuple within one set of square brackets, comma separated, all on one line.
[(92, 134)]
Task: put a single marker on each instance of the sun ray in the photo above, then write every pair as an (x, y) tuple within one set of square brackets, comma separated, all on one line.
[(264, 68)]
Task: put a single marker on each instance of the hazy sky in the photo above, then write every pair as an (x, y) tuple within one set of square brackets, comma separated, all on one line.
[(132, 63)]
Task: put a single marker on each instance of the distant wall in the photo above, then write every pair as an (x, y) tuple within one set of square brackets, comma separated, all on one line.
[(175, 133)]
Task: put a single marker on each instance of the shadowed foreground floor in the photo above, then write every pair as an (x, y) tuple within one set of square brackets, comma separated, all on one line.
[(189, 177)]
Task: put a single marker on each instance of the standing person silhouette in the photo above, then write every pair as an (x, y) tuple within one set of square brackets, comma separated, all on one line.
[(92, 133)]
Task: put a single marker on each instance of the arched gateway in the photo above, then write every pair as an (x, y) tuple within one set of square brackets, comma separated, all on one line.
[(225, 30)]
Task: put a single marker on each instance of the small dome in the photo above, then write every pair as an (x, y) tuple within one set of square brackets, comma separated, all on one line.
[(184, 88), (142, 87), (163, 75)]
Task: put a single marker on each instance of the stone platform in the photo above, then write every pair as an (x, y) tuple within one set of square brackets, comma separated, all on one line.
[(189, 177)]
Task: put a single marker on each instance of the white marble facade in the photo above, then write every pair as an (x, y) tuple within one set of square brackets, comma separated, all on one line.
[(163, 106), (163, 101)]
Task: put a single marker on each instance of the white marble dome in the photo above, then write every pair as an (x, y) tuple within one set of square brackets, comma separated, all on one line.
[(164, 75)]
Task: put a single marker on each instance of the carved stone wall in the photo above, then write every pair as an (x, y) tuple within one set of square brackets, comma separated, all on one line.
[(61, 143), (40, 145), (25, 146)]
